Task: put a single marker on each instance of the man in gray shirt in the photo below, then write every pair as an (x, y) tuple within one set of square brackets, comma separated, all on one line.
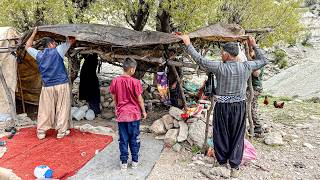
[(230, 109)]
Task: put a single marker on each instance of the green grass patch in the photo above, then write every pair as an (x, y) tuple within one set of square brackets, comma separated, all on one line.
[(195, 149), (293, 112)]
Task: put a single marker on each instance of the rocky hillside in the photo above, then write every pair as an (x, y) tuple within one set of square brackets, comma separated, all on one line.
[(301, 78)]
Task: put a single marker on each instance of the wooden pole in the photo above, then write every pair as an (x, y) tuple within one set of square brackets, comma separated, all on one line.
[(250, 98), (181, 87), (209, 112), (264, 30), (9, 96), (21, 91)]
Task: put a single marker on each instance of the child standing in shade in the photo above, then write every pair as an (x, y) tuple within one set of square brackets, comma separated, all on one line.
[(126, 93)]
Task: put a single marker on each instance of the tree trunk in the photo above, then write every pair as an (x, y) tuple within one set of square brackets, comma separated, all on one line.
[(163, 19), (138, 20)]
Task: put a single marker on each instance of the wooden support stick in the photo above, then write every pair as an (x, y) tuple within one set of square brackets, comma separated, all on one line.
[(250, 98), (21, 91), (264, 30), (181, 87), (205, 145), (182, 64), (9, 96)]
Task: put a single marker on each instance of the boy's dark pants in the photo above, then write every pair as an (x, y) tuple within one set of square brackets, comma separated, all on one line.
[(228, 132), (129, 135)]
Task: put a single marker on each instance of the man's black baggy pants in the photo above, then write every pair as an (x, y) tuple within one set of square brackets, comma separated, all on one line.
[(228, 132)]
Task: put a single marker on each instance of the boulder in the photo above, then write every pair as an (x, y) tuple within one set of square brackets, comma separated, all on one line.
[(167, 121), (105, 104), (144, 128), (176, 123), (177, 147), (183, 132), (171, 137), (197, 132), (111, 105), (158, 127), (190, 141), (176, 113), (273, 138)]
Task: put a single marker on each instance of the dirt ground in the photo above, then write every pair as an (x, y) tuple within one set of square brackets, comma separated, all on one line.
[(298, 122)]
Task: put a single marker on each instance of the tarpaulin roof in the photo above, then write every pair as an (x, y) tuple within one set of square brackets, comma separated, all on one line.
[(106, 39), (122, 37)]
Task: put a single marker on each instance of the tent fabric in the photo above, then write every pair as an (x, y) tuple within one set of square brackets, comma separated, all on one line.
[(9, 67), (31, 82)]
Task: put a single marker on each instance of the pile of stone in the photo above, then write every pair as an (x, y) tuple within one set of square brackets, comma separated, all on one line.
[(106, 97), (174, 130)]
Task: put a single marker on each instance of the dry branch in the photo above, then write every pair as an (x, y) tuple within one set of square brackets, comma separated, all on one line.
[(264, 30)]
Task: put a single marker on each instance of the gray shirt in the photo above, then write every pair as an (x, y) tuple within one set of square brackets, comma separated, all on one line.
[(232, 76)]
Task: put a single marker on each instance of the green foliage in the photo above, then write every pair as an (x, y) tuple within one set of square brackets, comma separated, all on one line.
[(283, 63), (305, 42), (282, 16), (195, 149), (285, 98), (185, 15), (293, 112), (26, 14), (281, 58)]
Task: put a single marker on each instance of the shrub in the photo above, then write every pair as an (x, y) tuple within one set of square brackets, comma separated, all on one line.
[(281, 58), (305, 42)]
